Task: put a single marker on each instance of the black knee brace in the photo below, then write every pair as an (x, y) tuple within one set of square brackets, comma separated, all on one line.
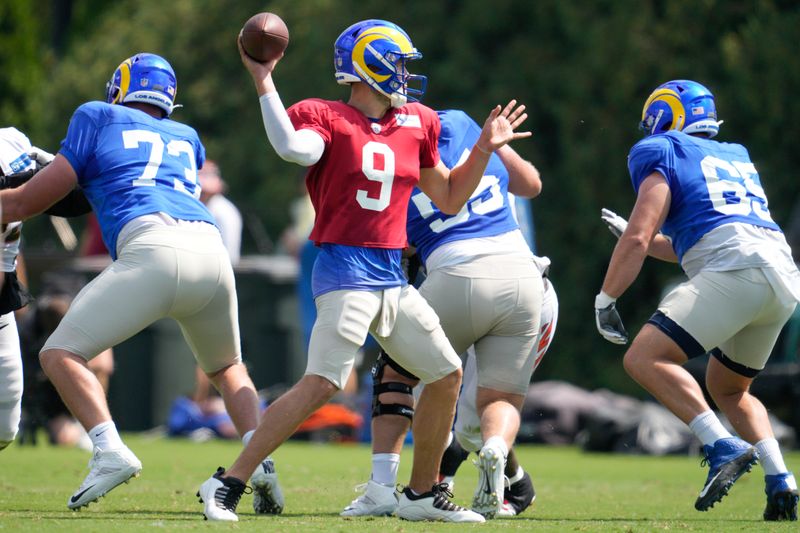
[(379, 388)]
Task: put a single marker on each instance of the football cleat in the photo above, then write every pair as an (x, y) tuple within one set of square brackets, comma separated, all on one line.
[(728, 460), (107, 469), (488, 498), (267, 493), (781, 497), (376, 500), (518, 497), (220, 496), (433, 505)]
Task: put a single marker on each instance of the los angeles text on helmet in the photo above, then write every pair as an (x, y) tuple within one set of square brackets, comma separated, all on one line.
[(145, 96)]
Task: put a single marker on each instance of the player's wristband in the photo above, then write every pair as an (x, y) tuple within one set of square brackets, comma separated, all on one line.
[(603, 300)]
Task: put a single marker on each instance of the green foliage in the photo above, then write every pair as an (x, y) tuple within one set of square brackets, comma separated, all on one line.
[(584, 70), (20, 63), (575, 491)]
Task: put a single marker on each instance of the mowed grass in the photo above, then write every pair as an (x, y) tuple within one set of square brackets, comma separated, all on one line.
[(576, 491)]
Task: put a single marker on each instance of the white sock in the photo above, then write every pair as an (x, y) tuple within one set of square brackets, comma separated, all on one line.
[(498, 443), (770, 457), (247, 437), (105, 436), (384, 468), (520, 473), (707, 427)]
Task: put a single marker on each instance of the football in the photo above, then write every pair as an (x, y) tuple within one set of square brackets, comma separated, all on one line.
[(264, 37)]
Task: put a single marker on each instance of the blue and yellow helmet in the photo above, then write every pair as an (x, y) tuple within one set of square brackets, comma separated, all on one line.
[(681, 105), (376, 52), (145, 78)]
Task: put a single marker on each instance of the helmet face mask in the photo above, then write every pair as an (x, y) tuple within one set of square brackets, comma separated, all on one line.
[(377, 53), (144, 78), (681, 105)]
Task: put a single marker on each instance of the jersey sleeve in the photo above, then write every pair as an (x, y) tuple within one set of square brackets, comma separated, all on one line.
[(429, 148), (199, 152), (310, 115), (79, 144), (654, 154)]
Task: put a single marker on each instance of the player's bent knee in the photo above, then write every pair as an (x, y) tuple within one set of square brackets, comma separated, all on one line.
[(320, 387), (52, 358), (632, 363), (453, 379)]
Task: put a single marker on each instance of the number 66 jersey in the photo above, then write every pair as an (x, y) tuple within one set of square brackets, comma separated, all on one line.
[(130, 164)]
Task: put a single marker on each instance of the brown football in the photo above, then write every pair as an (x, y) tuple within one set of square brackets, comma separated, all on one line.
[(264, 36)]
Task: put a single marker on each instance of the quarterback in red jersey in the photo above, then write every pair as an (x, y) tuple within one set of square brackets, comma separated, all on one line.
[(360, 200), (365, 157)]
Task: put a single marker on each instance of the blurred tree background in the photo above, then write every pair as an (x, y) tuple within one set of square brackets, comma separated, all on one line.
[(584, 69)]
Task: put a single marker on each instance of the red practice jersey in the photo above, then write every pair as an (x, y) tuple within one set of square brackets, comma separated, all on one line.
[(361, 185)]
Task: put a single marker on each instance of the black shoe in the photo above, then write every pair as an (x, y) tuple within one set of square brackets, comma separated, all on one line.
[(781, 499), (518, 497), (221, 495)]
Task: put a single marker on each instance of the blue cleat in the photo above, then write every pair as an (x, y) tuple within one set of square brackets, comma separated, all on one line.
[(728, 459), (781, 497)]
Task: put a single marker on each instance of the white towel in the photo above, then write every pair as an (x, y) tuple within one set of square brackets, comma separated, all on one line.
[(390, 302)]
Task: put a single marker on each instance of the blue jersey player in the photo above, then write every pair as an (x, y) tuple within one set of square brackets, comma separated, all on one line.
[(138, 169), (486, 287), (701, 203)]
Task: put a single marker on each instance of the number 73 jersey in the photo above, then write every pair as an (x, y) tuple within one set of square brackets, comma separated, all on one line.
[(130, 164), (711, 184)]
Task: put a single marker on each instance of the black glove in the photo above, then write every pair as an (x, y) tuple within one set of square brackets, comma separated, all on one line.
[(12, 181), (608, 321)]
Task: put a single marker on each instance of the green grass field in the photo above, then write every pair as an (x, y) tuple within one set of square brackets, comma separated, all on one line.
[(575, 492)]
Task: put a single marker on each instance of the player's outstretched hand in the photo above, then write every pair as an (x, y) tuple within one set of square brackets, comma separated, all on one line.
[(259, 71), (500, 127), (616, 224)]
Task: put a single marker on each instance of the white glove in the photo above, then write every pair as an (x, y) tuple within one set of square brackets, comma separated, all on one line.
[(616, 224), (41, 157), (608, 321)]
